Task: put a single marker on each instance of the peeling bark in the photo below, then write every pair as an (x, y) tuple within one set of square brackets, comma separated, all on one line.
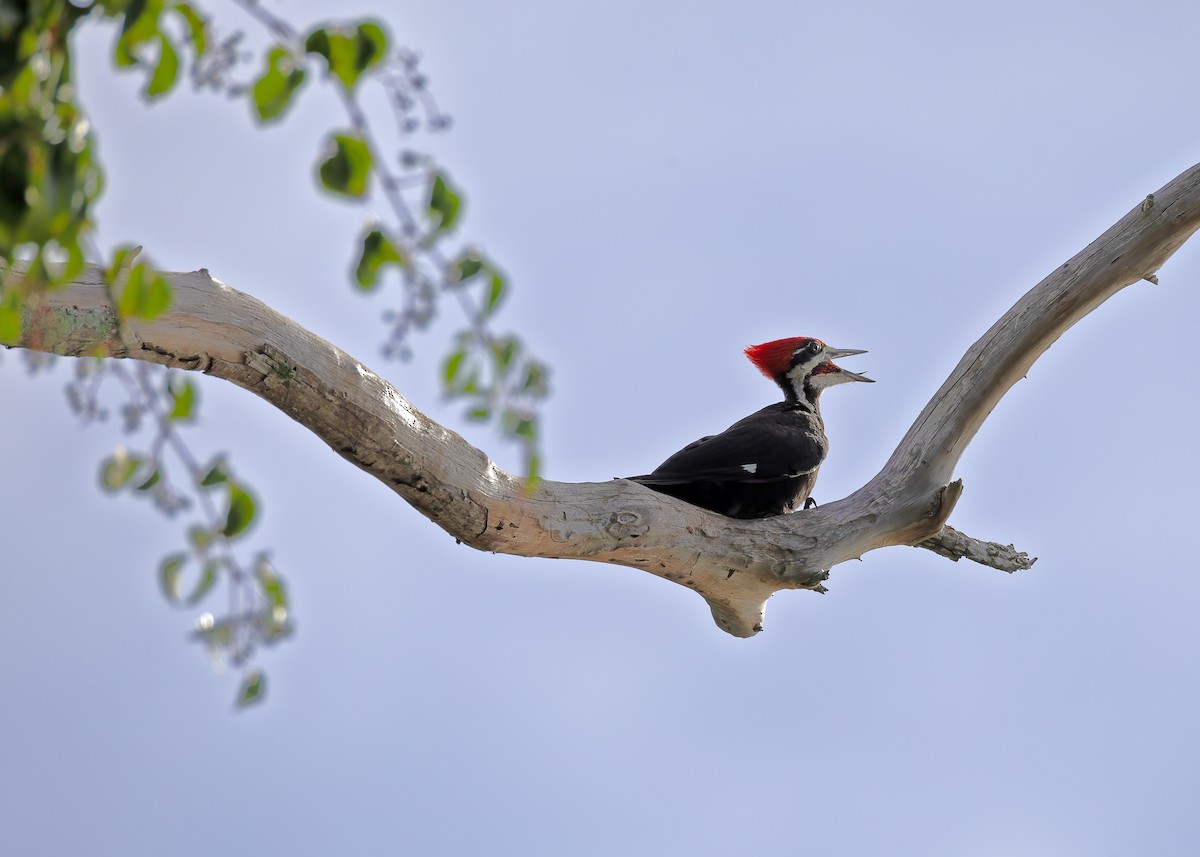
[(735, 565)]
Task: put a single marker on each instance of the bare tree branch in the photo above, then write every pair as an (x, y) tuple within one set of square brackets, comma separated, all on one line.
[(735, 565), (954, 545)]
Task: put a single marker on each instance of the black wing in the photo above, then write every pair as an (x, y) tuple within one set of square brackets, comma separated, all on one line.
[(767, 446)]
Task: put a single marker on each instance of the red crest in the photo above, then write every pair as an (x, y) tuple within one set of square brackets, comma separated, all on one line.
[(775, 358)]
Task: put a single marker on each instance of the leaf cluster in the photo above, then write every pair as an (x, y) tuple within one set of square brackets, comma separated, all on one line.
[(495, 376), (50, 180)]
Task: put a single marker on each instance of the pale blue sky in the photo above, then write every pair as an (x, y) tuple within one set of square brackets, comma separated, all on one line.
[(665, 183)]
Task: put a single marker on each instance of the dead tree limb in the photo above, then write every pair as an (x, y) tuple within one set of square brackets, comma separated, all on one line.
[(735, 565)]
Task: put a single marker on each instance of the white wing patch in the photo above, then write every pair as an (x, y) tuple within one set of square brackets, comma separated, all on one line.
[(750, 468)]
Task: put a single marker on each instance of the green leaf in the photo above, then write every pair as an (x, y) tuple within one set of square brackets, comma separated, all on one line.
[(158, 296), (348, 167), (197, 27), (480, 414), (533, 473), (208, 578), (118, 469), (151, 480), (504, 350), (10, 326), (272, 92), (495, 293), (140, 26), (453, 363), (372, 43), (73, 265), (170, 578), (378, 251), (444, 204), (254, 685), (241, 512), (519, 424), (216, 475), (134, 292), (201, 537), (10, 317), (320, 42), (183, 400), (37, 273), (170, 573), (167, 70), (75, 262), (272, 585), (350, 50), (467, 266), (146, 294), (525, 428), (122, 257), (535, 379)]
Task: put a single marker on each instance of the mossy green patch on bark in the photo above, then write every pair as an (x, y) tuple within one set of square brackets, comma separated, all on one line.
[(72, 331)]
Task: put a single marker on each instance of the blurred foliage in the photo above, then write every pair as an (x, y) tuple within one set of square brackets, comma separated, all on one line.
[(50, 180), (505, 384), (50, 177), (165, 471)]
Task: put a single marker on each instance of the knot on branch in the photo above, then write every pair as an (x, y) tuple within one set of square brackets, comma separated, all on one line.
[(626, 525)]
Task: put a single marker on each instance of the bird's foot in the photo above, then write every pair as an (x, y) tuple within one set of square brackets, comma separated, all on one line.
[(810, 503)]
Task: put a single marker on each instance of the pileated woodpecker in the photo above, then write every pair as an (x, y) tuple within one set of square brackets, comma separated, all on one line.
[(765, 464)]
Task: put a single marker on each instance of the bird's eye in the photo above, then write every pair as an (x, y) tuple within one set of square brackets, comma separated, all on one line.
[(814, 347)]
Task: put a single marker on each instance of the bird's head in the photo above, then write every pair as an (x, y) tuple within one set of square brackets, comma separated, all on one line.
[(803, 366)]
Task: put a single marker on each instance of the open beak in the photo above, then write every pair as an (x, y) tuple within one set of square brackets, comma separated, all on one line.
[(837, 353)]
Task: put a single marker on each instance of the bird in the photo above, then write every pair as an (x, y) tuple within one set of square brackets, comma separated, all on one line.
[(764, 464)]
